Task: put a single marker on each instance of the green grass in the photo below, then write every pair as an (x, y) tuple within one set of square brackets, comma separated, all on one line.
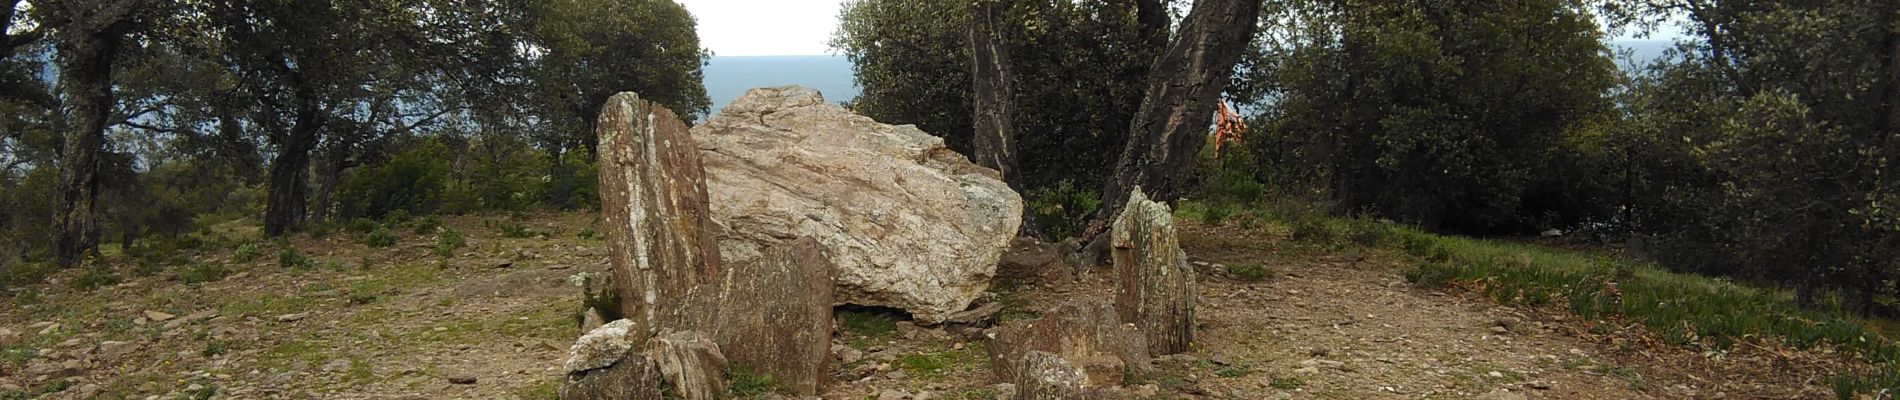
[(930, 365), (866, 324), (745, 384), (1681, 309), (1250, 272), (94, 278), (1286, 383), (204, 273)]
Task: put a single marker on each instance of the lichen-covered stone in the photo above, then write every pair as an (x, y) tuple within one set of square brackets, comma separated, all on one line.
[(690, 363), (1155, 284), (601, 347), (912, 224), (1046, 376), (632, 377), (653, 207), (1085, 334)]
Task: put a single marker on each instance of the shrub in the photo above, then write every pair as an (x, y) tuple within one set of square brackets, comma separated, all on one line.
[(95, 278), (290, 258), (246, 252), (1250, 273), (427, 225), (204, 273), (448, 242), (511, 229), (1062, 209), (380, 237), (412, 180)]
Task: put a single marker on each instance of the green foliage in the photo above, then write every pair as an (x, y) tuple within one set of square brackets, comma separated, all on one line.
[(1061, 210), (204, 273), (379, 237), (290, 258), (448, 242), (1079, 73), (512, 229), (27, 273), (94, 278), (1417, 112), (245, 253), (411, 181), (745, 384), (1250, 272), (1286, 383)]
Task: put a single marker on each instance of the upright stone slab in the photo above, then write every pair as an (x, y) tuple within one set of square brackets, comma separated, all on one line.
[(772, 315), (1155, 284), (691, 364), (653, 206), (1085, 334)]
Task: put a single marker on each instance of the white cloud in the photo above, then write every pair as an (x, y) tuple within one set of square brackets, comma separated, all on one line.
[(765, 27)]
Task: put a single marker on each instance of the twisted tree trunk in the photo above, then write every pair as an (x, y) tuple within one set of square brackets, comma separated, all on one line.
[(88, 45), (1171, 125)]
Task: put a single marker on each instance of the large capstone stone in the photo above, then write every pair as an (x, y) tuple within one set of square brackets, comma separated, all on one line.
[(1155, 284), (772, 315), (1085, 334), (911, 224), (653, 208)]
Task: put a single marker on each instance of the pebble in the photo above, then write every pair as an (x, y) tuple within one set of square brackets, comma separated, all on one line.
[(158, 316), (292, 317)]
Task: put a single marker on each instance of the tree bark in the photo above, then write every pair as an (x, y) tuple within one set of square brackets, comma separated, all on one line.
[(87, 47), (290, 171), (1184, 85), (993, 142)]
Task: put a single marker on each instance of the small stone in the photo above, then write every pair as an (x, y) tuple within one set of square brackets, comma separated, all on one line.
[(898, 374), (113, 350), (1147, 391), (1539, 385), (292, 317), (1219, 360), (8, 337), (462, 379), (1306, 371), (1500, 329), (892, 394), (1500, 394), (49, 329), (1495, 374), (157, 316), (338, 365), (846, 354)]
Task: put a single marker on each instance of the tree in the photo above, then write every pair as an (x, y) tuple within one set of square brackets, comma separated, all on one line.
[(89, 35), (989, 71), (1766, 142), (1184, 86), (1077, 71), (1472, 117)]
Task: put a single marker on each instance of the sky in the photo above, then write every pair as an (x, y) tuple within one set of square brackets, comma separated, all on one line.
[(765, 27)]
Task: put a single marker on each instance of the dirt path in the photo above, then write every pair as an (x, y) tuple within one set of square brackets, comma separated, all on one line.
[(1331, 323)]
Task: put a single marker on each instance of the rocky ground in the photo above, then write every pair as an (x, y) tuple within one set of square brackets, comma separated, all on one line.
[(493, 319)]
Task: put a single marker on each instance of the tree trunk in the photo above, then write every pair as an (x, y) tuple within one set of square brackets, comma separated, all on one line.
[(290, 172), (993, 140), (1184, 85), (86, 52)]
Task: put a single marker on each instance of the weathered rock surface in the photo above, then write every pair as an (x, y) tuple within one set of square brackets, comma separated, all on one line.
[(1029, 261), (1155, 284), (601, 347), (772, 315), (690, 363), (1047, 376), (912, 224), (632, 377), (653, 207), (1086, 335)]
